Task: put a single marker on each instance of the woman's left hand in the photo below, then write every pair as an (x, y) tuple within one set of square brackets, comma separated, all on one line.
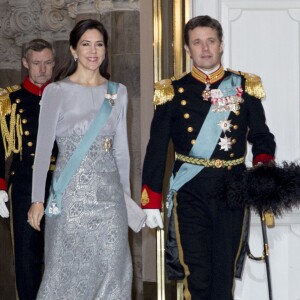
[(35, 215)]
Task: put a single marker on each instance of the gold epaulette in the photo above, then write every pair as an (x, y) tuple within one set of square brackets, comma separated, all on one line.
[(5, 105), (253, 84), (164, 91)]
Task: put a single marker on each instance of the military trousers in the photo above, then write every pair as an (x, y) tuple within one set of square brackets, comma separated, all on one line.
[(28, 242), (208, 238)]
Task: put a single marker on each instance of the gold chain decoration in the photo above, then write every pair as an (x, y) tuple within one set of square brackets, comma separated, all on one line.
[(214, 163), (12, 134)]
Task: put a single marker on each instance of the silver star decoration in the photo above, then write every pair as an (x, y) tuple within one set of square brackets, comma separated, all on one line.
[(225, 143), (225, 125)]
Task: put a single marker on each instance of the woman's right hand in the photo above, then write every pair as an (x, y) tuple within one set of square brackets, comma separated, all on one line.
[(35, 215)]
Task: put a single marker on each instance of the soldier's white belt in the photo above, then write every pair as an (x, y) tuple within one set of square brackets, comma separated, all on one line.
[(213, 163)]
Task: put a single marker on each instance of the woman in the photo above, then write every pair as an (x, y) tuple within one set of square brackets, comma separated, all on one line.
[(87, 253)]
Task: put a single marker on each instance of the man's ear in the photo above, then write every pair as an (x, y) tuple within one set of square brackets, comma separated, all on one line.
[(222, 47), (25, 63), (187, 50)]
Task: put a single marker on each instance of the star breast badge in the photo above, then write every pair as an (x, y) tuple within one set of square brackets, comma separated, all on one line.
[(225, 143), (225, 125)]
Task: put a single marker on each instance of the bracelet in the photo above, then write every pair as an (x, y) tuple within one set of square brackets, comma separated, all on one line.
[(38, 202)]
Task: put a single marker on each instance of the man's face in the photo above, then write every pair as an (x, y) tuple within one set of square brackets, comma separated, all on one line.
[(39, 65), (204, 47)]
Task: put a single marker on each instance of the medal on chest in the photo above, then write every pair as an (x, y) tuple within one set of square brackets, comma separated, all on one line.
[(208, 80), (206, 94), (222, 103)]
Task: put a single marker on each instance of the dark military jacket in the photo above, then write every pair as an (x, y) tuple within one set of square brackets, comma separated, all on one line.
[(179, 115), (25, 101)]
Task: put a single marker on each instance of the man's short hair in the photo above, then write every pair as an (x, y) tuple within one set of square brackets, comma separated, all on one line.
[(37, 45), (202, 21)]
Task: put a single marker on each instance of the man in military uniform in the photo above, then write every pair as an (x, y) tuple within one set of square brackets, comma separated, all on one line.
[(209, 114), (19, 113)]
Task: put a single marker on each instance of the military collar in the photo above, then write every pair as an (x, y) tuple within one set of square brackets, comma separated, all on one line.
[(208, 79), (32, 88)]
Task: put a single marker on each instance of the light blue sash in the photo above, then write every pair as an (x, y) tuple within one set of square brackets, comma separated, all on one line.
[(206, 140), (58, 187)]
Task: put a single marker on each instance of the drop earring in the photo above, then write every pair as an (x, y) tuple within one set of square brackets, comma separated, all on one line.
[(75, 59)]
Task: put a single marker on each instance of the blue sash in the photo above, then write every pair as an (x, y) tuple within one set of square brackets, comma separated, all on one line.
[(58, 187), (206, 140)]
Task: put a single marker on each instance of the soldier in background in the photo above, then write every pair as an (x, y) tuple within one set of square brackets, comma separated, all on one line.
[(209, 114), (19, 114)]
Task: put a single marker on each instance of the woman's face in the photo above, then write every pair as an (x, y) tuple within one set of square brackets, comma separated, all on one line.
[(90, 50)]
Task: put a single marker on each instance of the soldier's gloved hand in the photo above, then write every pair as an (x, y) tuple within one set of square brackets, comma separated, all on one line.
[(153, 218), (3, 209)]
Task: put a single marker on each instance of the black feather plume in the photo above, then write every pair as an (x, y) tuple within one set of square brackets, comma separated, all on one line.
[(273, 188)]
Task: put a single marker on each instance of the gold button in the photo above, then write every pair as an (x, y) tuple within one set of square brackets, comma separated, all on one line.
[(235, 127), (233, 141), (231, 154), (186, 116), (21, 110), (190, 129), (24, 121), (183, 102), (26, 132), (181, 90), (18, 100), (193, 142), (218, 163), (52, 158), (229, 168), (29, 144), (237, 112)]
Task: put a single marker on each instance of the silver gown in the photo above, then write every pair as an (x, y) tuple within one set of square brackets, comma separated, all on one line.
[(87, 254)]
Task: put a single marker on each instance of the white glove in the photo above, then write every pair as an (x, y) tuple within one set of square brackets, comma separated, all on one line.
[(3, 209), (153, 218)]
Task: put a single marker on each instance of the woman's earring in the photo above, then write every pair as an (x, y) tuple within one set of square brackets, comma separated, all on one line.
[(75, 58)]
